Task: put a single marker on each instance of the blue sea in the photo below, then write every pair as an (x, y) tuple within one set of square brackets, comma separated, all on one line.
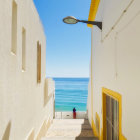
[(70, 93)]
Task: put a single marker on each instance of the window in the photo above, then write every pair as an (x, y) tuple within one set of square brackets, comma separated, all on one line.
[(38, 62), (23, 48), (14, 27)]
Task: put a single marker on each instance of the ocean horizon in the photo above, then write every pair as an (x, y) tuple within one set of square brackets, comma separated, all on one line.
[(70, 93)]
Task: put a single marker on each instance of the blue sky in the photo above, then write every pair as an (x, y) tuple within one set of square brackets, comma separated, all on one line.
[(68, 46)]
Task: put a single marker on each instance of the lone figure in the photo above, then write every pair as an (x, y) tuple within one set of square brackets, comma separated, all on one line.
[(74, 113)]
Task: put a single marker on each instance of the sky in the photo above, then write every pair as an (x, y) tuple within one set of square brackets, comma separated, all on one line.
[(68, 46)]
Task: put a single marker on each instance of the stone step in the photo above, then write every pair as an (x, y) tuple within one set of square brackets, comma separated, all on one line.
[(70, 127), (70, 138), (70, 133), (70, 121)]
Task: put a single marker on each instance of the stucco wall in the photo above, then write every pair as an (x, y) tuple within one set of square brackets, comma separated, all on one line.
[(89, 102), (21, 97), (115, 61)]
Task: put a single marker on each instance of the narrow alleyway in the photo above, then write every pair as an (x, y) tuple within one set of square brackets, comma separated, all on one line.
[(70, 129)]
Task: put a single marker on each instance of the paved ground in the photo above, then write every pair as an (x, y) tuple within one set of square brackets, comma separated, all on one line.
[(69, 115), (70, 129)]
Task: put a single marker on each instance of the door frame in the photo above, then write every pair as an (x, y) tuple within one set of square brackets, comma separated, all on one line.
[(118, 97)]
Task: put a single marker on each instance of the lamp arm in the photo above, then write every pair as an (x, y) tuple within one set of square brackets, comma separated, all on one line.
[(97, 23)]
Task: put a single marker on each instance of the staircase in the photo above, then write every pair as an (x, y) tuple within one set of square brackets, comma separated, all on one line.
[(70, 129)]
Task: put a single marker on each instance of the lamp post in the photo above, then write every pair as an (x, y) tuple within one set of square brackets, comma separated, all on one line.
[(73, 20)]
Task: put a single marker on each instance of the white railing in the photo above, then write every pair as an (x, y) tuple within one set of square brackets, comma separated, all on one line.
[(69, 115)]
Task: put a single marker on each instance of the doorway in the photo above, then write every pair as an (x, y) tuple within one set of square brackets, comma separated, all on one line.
[(111, 115), (112, 119)]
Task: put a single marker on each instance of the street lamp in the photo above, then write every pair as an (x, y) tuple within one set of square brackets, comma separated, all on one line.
[(73, 20)]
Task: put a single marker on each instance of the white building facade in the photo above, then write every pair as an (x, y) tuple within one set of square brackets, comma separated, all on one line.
[(26, 96), (113, 101)]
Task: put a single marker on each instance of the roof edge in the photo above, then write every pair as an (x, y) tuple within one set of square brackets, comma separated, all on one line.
[(93, 11)]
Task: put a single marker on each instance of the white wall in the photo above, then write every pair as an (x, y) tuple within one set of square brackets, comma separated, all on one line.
[(116, 65), (21, 97), (89, 102)]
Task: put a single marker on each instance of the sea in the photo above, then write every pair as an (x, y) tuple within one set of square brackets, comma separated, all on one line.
[(70, 93)]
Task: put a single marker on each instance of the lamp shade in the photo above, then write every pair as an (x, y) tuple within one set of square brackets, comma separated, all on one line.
[(70, 20)]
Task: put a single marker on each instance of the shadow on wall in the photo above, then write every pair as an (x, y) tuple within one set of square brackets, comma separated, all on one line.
[(86, 132), (7, 132), (31, 136), (45, 92), (46, 97), (43, 130)]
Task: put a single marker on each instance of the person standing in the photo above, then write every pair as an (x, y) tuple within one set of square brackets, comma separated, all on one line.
[(74, 113)]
